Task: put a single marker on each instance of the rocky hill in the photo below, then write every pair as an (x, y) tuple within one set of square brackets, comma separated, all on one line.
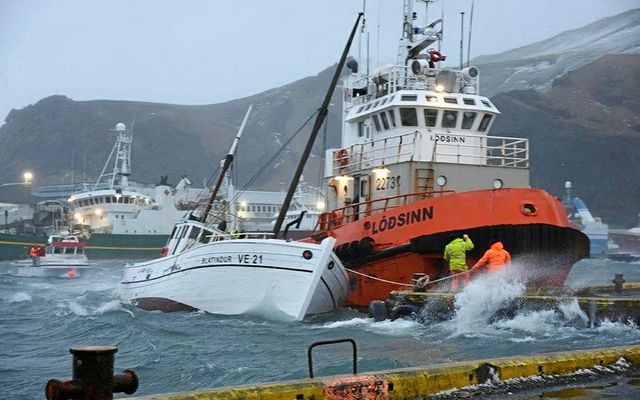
[(586, 129), (536, 65), (58, 135)]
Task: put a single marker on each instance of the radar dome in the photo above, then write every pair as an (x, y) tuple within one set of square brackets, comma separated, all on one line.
[(120, 127)]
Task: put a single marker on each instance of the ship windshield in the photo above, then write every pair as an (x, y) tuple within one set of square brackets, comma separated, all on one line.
[(430, 116), (408, 117), (383, 118), (484, 124), (467, 119), (376, 122), (449, 119), (392, 118)]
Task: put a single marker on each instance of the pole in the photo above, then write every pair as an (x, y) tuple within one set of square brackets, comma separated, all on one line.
[(225, 166), (469, 41), (322, 113), (461, 39), (6, 221)]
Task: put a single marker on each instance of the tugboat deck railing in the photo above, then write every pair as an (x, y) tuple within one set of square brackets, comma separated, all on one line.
[(496, 151), (400, 77), (353, 212)]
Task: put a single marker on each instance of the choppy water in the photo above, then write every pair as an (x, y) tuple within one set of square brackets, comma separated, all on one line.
[(40, 319)]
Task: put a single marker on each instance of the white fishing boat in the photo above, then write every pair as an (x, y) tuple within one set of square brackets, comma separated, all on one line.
[(250, 273), (63, 256), (205, 268)]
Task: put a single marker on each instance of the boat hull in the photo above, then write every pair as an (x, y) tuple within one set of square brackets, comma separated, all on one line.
[(627, 241), (244, 276), (402, 240)]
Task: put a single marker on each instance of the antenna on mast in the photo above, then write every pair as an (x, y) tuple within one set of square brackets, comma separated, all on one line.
[(441, 28), (461, 39), (469, 41)]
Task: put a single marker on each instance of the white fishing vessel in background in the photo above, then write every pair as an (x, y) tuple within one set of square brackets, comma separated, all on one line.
[(205, 268), (63, 256)]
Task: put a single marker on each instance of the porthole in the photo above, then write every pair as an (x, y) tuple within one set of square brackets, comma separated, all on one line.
[(441, 180), (529, 209), (497, 184), (331, 265), (307, 255)]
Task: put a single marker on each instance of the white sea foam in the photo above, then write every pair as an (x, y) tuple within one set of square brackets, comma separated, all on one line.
[(76, 308), (20, 297), (399, 327), (481, 299)]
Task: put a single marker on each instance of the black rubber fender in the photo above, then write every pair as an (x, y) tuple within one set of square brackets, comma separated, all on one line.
[(404, 310), (378, 310), (366, 245)]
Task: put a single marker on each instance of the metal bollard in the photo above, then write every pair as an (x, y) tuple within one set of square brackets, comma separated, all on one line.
[(93, 377), (618, 280)]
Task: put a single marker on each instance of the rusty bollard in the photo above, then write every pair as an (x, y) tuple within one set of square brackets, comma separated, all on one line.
[(618, 281), (93, 377)]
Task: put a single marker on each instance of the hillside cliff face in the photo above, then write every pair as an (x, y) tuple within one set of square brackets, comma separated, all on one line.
[(535, 66), (57, 135), (586, 129)]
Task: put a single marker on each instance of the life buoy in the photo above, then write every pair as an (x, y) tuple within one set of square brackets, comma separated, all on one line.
[(343, 157), (164, 251)]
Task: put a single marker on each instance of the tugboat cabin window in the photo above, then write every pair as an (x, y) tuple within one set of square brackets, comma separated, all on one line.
[(467, 119), (392, 118), (376, 122), (383, 101), (432, 99), (385, 122), (408, 116), (430, 117), (360, 128), (409, 97), (469, 102), (367, 107), (449, 119), (108, 199), (486, 103), (486, 119), (451, 100)]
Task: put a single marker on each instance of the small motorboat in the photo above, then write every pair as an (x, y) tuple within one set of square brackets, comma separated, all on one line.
[(63, 256)]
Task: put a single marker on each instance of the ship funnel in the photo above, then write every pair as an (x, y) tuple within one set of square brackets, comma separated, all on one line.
[(120, 127)]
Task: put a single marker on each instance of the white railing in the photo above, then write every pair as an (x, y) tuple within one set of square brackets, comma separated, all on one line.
[(400, 77), (467, 149)]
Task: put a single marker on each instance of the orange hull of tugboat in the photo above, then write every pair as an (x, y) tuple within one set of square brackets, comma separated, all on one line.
[(392, 242)]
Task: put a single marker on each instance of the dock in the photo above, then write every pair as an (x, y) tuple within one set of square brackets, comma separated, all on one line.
[(436, 380)]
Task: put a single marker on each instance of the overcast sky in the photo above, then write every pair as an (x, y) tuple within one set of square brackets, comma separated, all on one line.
[(210, 51)]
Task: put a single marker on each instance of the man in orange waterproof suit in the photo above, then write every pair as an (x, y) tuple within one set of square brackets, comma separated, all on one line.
[(495, 258)]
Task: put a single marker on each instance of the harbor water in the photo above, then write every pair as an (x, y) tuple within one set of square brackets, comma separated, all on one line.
[(41, 318)]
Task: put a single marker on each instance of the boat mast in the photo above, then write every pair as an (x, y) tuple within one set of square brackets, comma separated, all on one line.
[(228, 159), (322, 113), (122, 163)]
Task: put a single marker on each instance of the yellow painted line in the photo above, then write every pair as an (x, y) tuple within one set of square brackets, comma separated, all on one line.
[(409, 383), (123, 248), (21, 243), (87, 247)]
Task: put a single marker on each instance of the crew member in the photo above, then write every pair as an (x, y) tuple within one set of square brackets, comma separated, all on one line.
[(233, 233), (495, 258), (456, 253)]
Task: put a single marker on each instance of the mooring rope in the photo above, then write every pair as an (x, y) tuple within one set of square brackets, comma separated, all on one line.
[(401, 283)]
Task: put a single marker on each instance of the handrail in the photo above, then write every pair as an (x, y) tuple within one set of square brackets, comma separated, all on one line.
[(470, 149), (344, 215)]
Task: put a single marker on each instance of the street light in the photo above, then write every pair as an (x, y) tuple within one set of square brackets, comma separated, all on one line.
[(27, 180)]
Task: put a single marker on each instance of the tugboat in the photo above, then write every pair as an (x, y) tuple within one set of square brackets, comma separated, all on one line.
[(417, 164)]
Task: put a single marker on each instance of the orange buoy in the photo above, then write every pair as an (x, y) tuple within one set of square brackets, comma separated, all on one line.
[(72, 273)]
